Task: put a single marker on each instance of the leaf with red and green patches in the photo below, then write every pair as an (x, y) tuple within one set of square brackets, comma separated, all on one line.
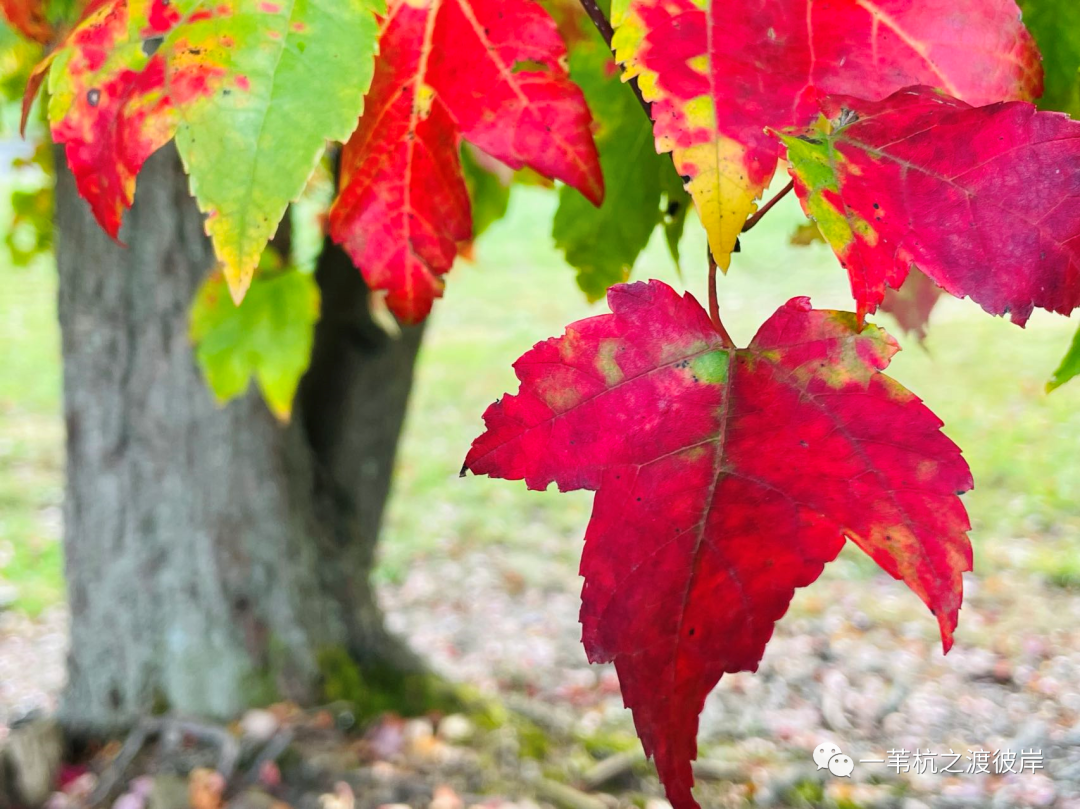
[(251, 89), (718, 74), (984, 200), (489, 71), (724, 480)]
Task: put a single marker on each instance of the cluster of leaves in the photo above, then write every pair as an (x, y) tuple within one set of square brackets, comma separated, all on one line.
[(725, 477)]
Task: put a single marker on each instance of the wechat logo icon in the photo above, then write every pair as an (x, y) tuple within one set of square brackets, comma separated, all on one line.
[(829, 756)]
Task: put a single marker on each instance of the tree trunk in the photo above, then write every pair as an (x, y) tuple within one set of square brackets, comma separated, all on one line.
[(215, 559)]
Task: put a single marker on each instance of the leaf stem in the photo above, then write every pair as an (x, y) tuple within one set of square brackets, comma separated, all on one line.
[(753, 220), (603, 25), (714, 304)]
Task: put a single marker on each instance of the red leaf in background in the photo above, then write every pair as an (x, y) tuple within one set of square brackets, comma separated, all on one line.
[(724, 479), (489, 71), (718, 73), (984, 200), (28, 18), (912, 304)]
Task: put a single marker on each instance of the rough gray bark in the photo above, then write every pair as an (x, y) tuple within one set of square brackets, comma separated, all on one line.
[(214, 557)]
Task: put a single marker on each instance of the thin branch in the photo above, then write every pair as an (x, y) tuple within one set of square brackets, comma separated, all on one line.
[(753, 220), (603, 25), (596, 14), (714, 304)]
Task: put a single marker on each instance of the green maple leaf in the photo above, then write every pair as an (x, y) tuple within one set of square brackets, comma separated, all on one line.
[(642, 187)]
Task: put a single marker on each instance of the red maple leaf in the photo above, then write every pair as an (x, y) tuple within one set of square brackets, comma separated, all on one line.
[(725, 478), (489, 71), (984, 200)]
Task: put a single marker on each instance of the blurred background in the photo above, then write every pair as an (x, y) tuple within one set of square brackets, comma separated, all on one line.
[(480, 575)]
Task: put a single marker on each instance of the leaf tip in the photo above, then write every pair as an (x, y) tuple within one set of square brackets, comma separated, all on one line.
[(33, 86), (947, 622), (238, 281)]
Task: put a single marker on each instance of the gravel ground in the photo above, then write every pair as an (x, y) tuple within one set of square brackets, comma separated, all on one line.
[(31, 663), (856, 662)]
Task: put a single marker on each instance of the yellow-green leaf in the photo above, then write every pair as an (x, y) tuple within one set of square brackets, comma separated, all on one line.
[(267, 338)]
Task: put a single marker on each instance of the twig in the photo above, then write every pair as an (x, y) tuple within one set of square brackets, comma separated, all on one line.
[(714, 305), (596, 14), (612, 768), (712, 770), (753, 220), (175, 730), (603, 25), (566, 796), (171, 730), (271, 751), (134, 743)]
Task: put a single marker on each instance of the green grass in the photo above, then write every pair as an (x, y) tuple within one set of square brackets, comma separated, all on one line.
[(983, 376), (31, 438)]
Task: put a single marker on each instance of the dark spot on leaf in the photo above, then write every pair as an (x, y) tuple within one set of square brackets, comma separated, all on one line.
[(150, 46), (802, 443), (93, 97), (692, 631)]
